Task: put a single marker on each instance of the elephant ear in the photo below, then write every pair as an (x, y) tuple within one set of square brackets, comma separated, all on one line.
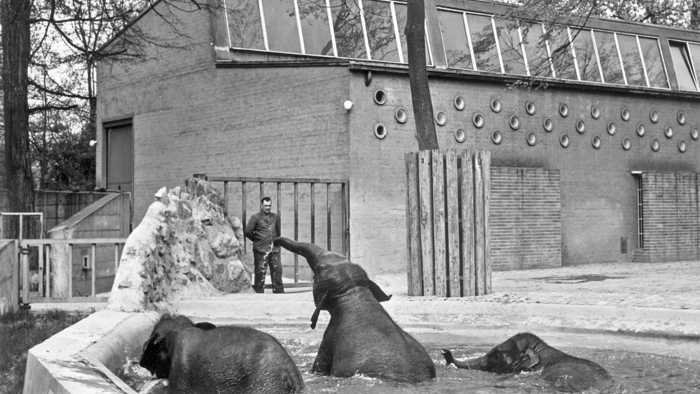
[(317, 311), (378, 293)]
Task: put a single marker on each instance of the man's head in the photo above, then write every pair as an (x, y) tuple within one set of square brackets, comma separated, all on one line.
[(266, 204)]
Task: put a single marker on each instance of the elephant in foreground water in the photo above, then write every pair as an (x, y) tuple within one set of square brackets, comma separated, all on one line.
[(203, 358), (361, 337), (527, 352)]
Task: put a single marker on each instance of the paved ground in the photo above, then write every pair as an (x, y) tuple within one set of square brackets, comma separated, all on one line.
[(654, 307)]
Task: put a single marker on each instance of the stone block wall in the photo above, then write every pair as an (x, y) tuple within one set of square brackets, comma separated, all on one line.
[(525, 218)]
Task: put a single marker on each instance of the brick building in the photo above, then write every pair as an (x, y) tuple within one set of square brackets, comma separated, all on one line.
[(598, 163)]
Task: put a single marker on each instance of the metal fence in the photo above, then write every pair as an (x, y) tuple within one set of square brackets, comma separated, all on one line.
[(312, 210)]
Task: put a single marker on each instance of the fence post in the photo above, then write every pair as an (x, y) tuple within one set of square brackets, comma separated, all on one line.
[(69, 253), (48, 270), (467, 216), (42, 271), (453, 235), (92, 269), (439, 231), (426, 221), (24, 252), (485, 157), (414, 270)]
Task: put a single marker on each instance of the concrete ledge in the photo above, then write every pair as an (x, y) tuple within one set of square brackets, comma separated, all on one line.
[(79, 358)]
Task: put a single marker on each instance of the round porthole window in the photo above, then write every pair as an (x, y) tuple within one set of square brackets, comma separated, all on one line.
[(441, 118), (401, 115), (564, 141), (626, 144), (496, 105), (563, 110), (459, 103), (612, 129), (653, 116), (641, 130), (514, 122), (694, 134), (680, 117), (548, 125), (379, 97), (380, 131), (460, 135), (625, 114), (530, 108), (596, 142), (496, 137), (532, 139), (580, 126), (655, 146), (668, 132), (595, 112), (682, 146), (478, 120)]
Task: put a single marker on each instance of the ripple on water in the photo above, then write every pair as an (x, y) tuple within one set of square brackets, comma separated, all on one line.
[(633, 373)]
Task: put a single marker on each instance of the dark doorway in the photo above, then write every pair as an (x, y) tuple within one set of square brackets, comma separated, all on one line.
[(120, 157)]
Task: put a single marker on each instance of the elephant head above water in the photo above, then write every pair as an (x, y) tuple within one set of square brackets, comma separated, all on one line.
[(527, 352), (361, 336), (204, 358)]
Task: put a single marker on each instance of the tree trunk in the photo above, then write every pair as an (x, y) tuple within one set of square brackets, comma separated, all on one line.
[(695, 15), (418, 75), (14, 16)]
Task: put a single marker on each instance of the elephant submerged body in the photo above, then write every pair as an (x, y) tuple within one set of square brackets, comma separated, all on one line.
[(204, 358), (361, 337), (527, 352)]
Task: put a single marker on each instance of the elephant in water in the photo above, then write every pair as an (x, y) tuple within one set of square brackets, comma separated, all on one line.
[(527, 352), (203, 358), (361, 337)]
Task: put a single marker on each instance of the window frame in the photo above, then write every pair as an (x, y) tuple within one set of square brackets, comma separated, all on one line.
[(693, 72)]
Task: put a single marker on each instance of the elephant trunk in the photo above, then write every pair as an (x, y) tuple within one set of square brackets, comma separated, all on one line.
[(478, 363), (310, 251)]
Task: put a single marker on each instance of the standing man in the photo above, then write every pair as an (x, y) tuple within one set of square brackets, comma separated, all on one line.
[(262, 228)]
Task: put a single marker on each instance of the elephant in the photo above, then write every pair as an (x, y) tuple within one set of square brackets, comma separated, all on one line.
[(527, 352), (204, 358), (361, 337)]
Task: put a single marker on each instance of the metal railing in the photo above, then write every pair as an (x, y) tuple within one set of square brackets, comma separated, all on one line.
[(46, 262), (316, 186)]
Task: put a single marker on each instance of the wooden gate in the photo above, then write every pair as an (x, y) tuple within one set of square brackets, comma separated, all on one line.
[(447, 219)]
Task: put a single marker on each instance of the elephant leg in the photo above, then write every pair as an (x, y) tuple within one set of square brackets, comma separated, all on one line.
[(324, 358)]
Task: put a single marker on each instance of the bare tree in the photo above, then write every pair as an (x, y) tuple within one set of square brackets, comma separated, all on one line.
[(15, 22)]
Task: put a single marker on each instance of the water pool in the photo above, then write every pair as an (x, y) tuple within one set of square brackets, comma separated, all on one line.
[(633, 372)]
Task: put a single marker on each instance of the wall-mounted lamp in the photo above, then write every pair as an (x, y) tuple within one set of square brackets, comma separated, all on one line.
[(92, 143), (347, 104)]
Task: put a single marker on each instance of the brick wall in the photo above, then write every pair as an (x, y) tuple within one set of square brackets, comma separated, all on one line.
[(598, 191), (190, 117), (671, 216), (525, 218)]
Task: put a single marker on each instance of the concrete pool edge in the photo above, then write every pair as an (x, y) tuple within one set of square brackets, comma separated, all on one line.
[(71, 360), (77, 359)]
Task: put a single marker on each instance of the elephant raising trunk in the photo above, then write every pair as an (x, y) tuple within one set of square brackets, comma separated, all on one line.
[(311, 252), (361, 336)]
